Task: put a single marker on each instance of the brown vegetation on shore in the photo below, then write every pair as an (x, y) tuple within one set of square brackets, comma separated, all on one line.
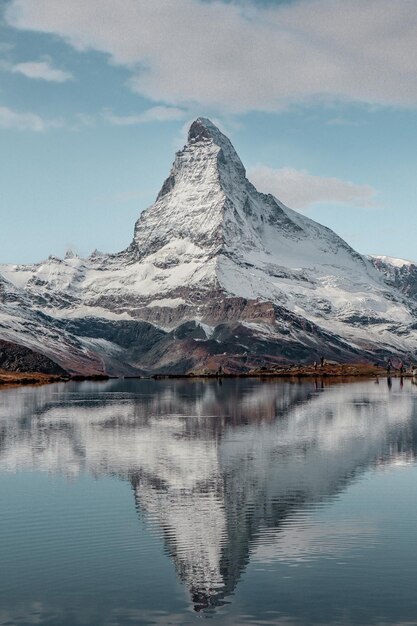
[(32, 378), (330, 369), (38, 378)]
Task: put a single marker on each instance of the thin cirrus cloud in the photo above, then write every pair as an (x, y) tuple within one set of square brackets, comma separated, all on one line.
[(154, 114), (15, 120), (42, 70), (299, 189), (241, 56)]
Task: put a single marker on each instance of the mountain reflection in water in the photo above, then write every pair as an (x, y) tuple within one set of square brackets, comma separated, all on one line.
[(218, 466)]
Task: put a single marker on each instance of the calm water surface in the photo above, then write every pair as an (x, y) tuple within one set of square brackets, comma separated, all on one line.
[(242, 502)]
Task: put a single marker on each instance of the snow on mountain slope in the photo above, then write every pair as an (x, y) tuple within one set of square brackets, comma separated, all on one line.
[(398, 273), (389, 260), (22, 324), (214, 251)]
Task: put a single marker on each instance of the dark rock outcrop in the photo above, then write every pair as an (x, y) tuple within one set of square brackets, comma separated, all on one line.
[(15, 358)]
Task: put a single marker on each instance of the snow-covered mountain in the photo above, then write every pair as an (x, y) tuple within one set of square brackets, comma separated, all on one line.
[(217, 272)]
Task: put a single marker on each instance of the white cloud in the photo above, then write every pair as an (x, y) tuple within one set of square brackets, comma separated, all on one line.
[(299, 189), (42, 70), (235, 57), (154, 114), (15, 120), (11, 119)]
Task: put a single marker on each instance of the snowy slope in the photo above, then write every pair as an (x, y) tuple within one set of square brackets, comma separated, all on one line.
[(23, 324), (214, 251)]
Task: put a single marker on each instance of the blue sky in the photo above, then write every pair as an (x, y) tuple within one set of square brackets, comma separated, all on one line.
[(319, 98)]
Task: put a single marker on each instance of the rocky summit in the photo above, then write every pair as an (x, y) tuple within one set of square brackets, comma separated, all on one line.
[(217, 274)]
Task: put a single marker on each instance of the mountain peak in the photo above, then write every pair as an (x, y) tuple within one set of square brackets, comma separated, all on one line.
[(203, 133), (203, 129), (195, 200)]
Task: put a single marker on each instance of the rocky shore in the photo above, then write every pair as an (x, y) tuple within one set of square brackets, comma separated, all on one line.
[(338, 371), (331, 370)]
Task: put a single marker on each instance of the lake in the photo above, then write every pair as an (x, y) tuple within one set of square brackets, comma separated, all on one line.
[(237, 501)]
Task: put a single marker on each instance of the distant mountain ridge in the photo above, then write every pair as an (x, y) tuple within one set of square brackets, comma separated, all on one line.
[(217, 273)]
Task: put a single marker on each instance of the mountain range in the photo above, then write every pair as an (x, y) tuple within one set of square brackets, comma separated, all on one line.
[(217, 274)]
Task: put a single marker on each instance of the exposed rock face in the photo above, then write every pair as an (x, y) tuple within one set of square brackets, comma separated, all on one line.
[(14, 358), (399, 273), (215, 269)]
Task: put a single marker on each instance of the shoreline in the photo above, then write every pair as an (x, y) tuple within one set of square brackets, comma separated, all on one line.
[(349, 371), (20, 379), (298, 372)]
